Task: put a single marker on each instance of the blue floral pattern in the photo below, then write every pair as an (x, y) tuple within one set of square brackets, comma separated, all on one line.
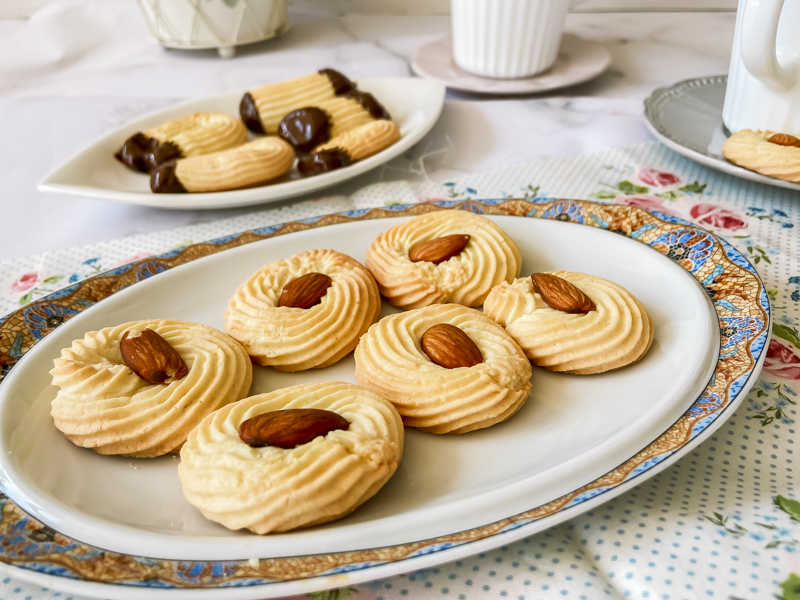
[(41, 319), (564, 211)]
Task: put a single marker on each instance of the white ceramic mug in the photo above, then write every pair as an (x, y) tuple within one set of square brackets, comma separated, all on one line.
[(507, 38), (764, 78)]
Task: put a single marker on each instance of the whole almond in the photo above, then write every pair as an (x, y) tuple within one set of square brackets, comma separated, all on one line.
[(305, 291), (290, 428), (784, 139), (151, 357), (560, 294), (449, 347), (440, 249)]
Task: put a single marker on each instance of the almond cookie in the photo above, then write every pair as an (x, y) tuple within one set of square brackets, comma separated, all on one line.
[(263, 108), (446, 368), (305, 311), (765, 152), (138, 389), (292, 458), (572, 322), (250, 164), (445, 256), (194, 135)]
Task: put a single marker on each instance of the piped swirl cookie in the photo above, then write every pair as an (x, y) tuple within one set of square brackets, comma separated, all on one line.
[(194, 135), (311, 126), (263, 108), (138, 389), (249, 164), (349, 147), (445, 256), (572, 322), (446, 368), (292, 458), (765, 152), (305, 311)]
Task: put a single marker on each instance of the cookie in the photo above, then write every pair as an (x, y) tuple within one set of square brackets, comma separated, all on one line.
[(443, 256), (277, 482), (194, 135), (765, 152), (446, 368), (364, 141), (312, 126), (598, 327), (103, 404), (351, 146), (253, 163), (263, 108), (305, 311)]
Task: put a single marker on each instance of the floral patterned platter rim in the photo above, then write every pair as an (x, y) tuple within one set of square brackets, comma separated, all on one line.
[(35, 552), (698, 133)]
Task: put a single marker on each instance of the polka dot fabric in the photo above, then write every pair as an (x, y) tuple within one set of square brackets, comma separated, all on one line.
[(723, 522)]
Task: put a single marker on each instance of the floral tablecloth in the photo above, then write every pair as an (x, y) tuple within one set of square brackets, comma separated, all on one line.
[(723, 522)]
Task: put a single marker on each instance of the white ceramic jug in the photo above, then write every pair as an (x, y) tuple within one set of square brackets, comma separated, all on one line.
[(764, 78)]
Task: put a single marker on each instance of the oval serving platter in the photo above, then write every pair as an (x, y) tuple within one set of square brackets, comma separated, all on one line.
[(579, 441), (415, 105)]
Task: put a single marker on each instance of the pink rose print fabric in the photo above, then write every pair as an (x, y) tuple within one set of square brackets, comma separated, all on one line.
[(783, 360), (25, 282)]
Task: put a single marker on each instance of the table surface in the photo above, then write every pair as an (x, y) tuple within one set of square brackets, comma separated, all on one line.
[(57, 95)]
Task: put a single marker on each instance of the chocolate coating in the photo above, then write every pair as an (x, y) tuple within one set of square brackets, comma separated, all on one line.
[(132, 153), (159, 154), (248, 111), (305, 128), (142, 153), (340, 83), (370, 104), (323, 161), (164, 180)]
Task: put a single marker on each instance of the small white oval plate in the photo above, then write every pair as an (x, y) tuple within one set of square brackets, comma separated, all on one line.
[(578, 61), (687, 118), (415, 105), (572, 430)]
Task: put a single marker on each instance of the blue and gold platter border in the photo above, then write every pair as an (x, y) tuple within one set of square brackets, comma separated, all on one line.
[(730, 281)]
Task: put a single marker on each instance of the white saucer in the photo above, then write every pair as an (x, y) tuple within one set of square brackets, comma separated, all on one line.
[(578, 61), (687, 118)]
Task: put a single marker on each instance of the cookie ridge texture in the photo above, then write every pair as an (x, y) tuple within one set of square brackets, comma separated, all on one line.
[(295, 339), (490, 257), (618, 333), (752, 150), (252, 163), (103, 405), (201, 133), (271, 489), (390, 360)]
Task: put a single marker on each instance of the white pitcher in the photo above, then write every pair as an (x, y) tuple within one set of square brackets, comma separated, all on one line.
[(764, 78)]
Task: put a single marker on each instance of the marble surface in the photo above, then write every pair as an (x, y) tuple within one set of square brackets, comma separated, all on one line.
[(74, 72)]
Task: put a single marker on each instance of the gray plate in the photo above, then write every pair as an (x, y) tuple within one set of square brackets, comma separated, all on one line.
[(687, 117)]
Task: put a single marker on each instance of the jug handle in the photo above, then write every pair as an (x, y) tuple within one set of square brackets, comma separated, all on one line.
[(759, 41)]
